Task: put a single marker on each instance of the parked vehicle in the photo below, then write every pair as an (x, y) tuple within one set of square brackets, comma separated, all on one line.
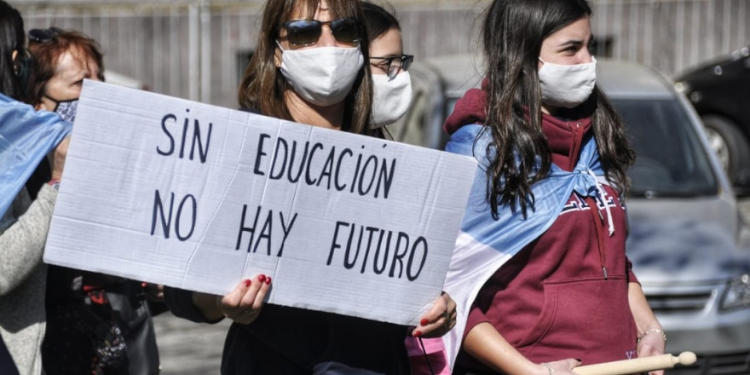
[(684, 219), (720, 92)]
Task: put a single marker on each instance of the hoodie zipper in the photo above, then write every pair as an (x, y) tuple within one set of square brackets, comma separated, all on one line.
[(596, 215), (575, 146)]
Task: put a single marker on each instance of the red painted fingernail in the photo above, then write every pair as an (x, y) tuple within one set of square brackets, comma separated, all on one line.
[(248, 282), (268, 280), (261, 278), (417, 333), (424, 322)]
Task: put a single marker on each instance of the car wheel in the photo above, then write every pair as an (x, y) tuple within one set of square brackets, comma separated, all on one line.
[(730, 146)]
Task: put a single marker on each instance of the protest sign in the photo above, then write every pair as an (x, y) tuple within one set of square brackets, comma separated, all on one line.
[(194, 196)]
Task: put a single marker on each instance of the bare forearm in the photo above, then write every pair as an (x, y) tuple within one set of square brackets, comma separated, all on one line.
[(642, 314), (488, 346)]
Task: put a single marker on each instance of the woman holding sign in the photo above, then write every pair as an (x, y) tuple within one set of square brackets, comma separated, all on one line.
[(391, 82), (309, 67), (549, 194)]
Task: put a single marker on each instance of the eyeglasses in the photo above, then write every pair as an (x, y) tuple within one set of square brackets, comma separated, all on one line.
[(43, 35), (301, 33), (393, 65)]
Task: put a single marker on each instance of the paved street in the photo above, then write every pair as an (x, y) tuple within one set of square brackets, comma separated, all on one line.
[(188, 348)]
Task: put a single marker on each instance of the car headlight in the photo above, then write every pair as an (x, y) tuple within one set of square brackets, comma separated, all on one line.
[(737, 294)]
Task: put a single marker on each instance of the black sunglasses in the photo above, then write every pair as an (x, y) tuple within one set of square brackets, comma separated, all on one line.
[(43, 35), (307, 32), (393, 65)]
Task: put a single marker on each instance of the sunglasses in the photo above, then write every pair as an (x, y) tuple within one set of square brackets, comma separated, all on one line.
[(301, 33), (43, 35), (393, 65)]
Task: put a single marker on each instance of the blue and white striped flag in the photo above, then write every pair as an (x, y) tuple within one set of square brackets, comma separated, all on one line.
[(26, 136), (485, 244)]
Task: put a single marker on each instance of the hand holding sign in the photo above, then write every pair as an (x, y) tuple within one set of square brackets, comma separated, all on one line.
[(244, 303), (197, 197), (440, 319)]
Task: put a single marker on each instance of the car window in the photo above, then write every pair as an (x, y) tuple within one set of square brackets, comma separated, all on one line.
[(670, 159)]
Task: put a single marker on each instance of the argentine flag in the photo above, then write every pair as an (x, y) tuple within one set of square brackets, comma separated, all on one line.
[(26, 136), (485, 244)]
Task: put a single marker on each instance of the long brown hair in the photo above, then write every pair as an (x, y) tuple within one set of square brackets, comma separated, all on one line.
[(263, 85), (520, 156)]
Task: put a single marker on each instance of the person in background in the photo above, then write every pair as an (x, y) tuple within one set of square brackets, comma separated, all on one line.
[(23, 223), (391, 83), (309, 67), (96, 324), (392, 95), (549, 192)]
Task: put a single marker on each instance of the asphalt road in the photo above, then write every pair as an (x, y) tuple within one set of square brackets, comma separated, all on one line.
[(187, 348)]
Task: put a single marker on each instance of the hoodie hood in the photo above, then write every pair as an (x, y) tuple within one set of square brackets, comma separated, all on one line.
[(564, 137), (470, 109)]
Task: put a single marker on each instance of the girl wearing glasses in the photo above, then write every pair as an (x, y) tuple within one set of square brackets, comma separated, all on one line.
[(309, 67), (553, 156), (391, 82), (392, 94)]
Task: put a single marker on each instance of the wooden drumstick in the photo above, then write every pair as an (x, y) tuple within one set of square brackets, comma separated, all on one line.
[(638, 365)]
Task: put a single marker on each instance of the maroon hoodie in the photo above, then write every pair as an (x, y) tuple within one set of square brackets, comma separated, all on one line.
[(565, 295)]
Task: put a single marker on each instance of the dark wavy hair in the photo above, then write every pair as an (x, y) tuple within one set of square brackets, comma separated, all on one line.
[(520, 156), (12, 39), (263, 85)]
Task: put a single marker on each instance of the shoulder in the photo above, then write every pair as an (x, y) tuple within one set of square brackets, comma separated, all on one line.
[(464, 139), (473, 140)]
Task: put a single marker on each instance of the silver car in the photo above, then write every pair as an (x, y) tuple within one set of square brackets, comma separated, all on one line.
[(686, 232)]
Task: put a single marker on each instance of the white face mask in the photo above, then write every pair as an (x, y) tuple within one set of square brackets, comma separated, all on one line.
[(391, 98), (567, 85), (322, 75)]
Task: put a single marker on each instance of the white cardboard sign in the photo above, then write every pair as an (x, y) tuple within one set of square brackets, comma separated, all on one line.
[(194, 196)]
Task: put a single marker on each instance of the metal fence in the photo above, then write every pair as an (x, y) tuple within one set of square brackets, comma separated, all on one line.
[(196, 49)]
